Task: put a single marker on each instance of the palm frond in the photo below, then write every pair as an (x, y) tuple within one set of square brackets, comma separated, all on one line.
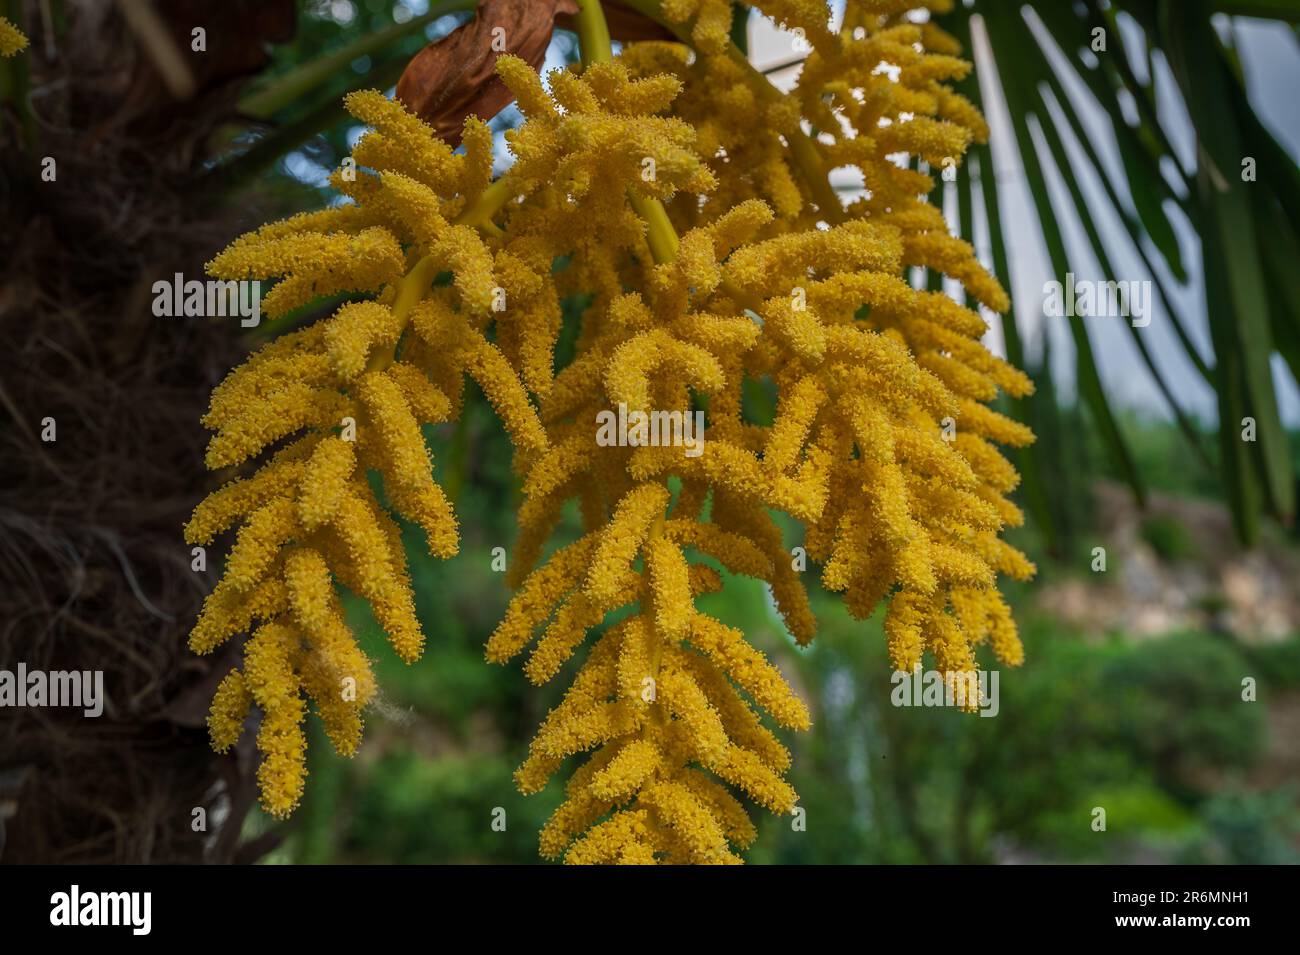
[(1246, 224)]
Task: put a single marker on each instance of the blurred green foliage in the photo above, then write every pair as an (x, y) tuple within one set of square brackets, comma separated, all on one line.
[(1167, 537)]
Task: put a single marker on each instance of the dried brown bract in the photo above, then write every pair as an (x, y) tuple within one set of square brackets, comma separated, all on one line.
[(456, 76)]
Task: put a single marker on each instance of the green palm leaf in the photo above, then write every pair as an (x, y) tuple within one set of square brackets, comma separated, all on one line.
[(1246, 225)]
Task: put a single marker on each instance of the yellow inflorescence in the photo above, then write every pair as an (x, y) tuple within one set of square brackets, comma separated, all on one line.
[(12, 40), (882, 446)]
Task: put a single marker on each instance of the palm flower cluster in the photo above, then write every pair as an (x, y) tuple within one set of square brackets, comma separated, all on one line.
[(683, 192), (12, 40)]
